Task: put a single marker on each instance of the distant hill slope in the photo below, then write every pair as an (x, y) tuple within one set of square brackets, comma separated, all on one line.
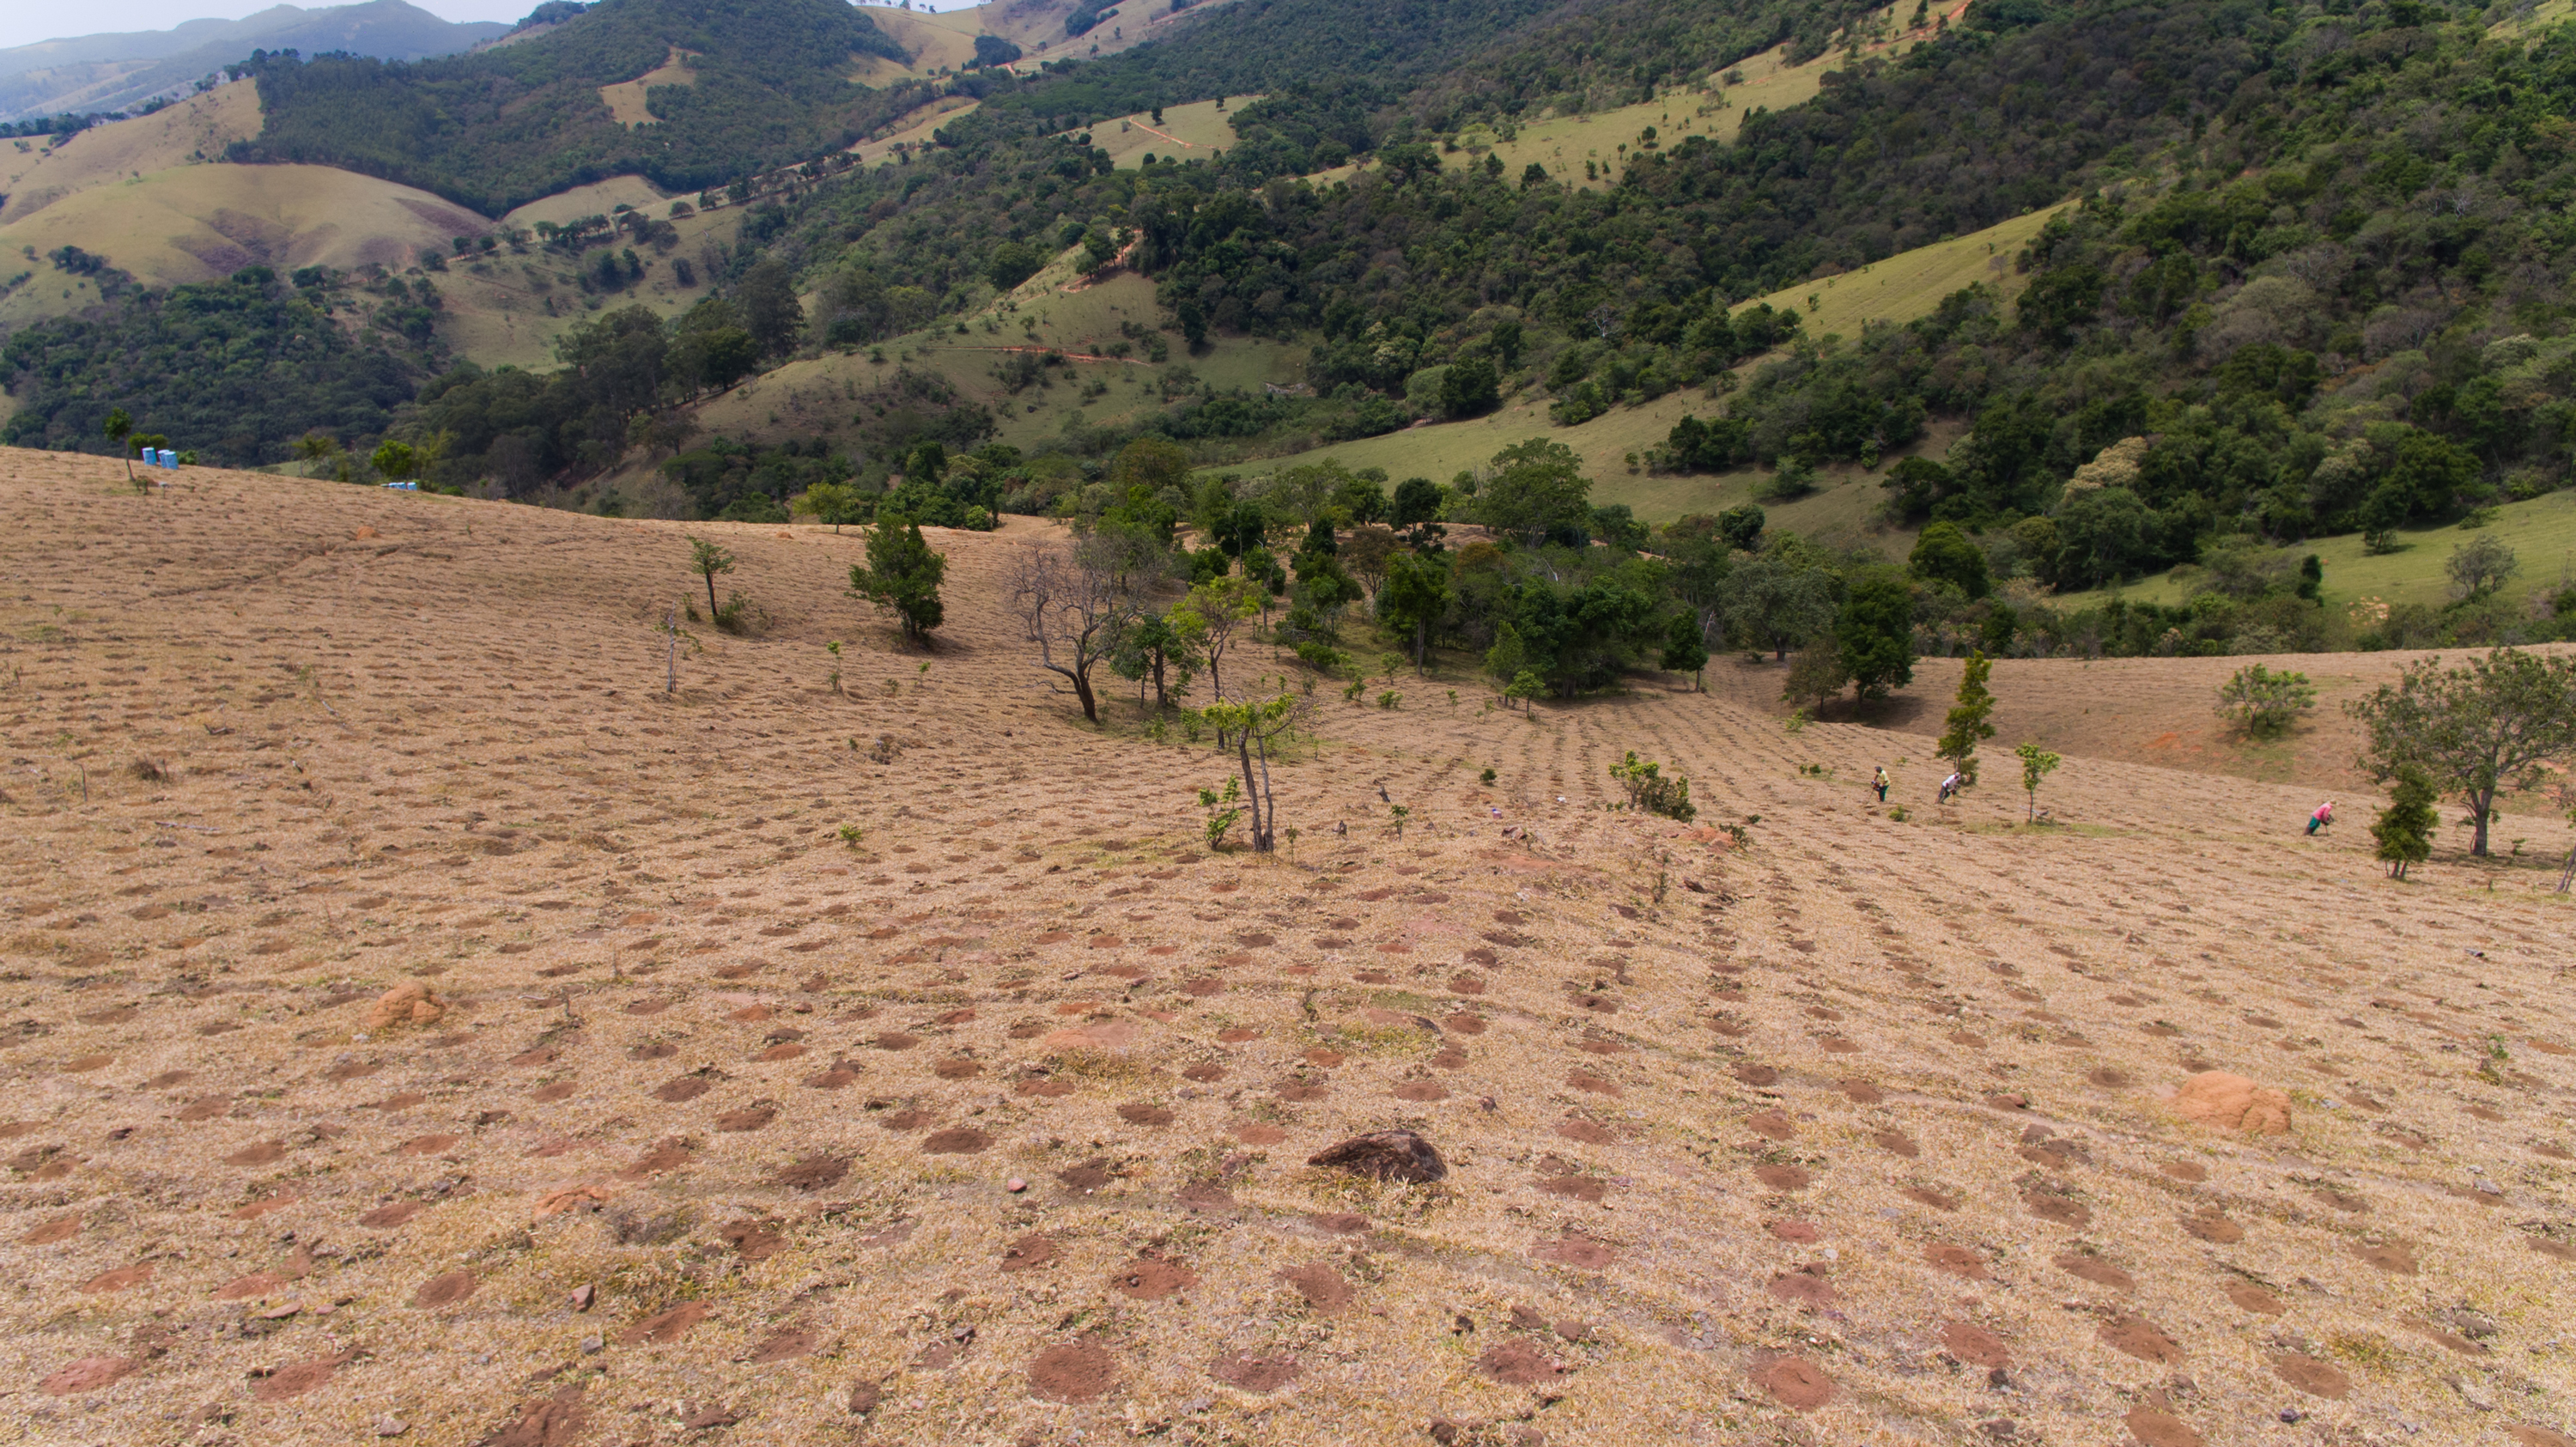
[(36, 173), (767, 85), (112, 71)]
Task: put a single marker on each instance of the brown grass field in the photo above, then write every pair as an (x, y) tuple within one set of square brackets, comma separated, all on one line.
[(1859, 1131), (35, 173)]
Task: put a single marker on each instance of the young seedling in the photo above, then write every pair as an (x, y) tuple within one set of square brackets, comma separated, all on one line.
[(1399, 814), (1222, 809), (851, 834), (707, 560), (2036, 764), (1390, 699), (834, 648), (1486, 778), (118, 428)]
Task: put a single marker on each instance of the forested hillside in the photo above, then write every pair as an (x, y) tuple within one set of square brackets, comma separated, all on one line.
[(766, 86), (234, 371), (2314, 281)]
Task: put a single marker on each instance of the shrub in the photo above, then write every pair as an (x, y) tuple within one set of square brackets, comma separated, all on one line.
[(1816, 677), (1969, 721), (1649, 790), (2264, 703), (902, 575), (2405, 828), (2480, 567), (740, 615)]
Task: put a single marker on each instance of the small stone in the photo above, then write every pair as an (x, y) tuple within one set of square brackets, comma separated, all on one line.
[(390, 1425), (1015, 1185), (583, 1295), (591, 1344)]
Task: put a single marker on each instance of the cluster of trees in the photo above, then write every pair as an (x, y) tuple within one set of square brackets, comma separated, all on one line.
[(1559, 596), (625, 373), (2499, 724), (237, 370)]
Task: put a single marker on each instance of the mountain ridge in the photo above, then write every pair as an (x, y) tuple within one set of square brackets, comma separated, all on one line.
[(115, 70)]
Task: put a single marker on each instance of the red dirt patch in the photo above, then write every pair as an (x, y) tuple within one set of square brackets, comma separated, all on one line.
[(1150, 1279), (1796, 1383), (445, 1290), (1974, 1345), (1518, 1363), (61, 1228), (1802, 1288), (2140, 1338), (2160, 1429), (89, 1374), (1323, 1287), (749, 1118), (1073, 1374), (1576, 1250), (2096, 1270), (295, 1381), (2311, 1376), (119, 1279), (1248, 1372), (784, 1344), (2249, 1297), (813, 1173), (668, 1326), (2057, 1209)]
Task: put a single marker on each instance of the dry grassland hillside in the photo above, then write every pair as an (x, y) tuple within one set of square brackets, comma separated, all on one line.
[(37, 171), (419, 1022)]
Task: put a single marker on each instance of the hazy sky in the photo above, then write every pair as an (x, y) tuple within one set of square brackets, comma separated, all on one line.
[(26, 23)]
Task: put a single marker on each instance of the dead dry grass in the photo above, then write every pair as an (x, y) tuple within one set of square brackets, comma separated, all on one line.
[(1853, 1134)]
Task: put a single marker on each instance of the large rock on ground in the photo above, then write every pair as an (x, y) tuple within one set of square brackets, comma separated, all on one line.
[(412, 1004), (2232, 1102), (1387, 1155)]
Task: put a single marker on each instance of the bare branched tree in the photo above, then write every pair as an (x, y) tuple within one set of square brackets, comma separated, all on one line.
[(1073, 604)]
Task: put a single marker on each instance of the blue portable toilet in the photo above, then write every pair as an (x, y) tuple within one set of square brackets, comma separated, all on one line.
[(169, 459)]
